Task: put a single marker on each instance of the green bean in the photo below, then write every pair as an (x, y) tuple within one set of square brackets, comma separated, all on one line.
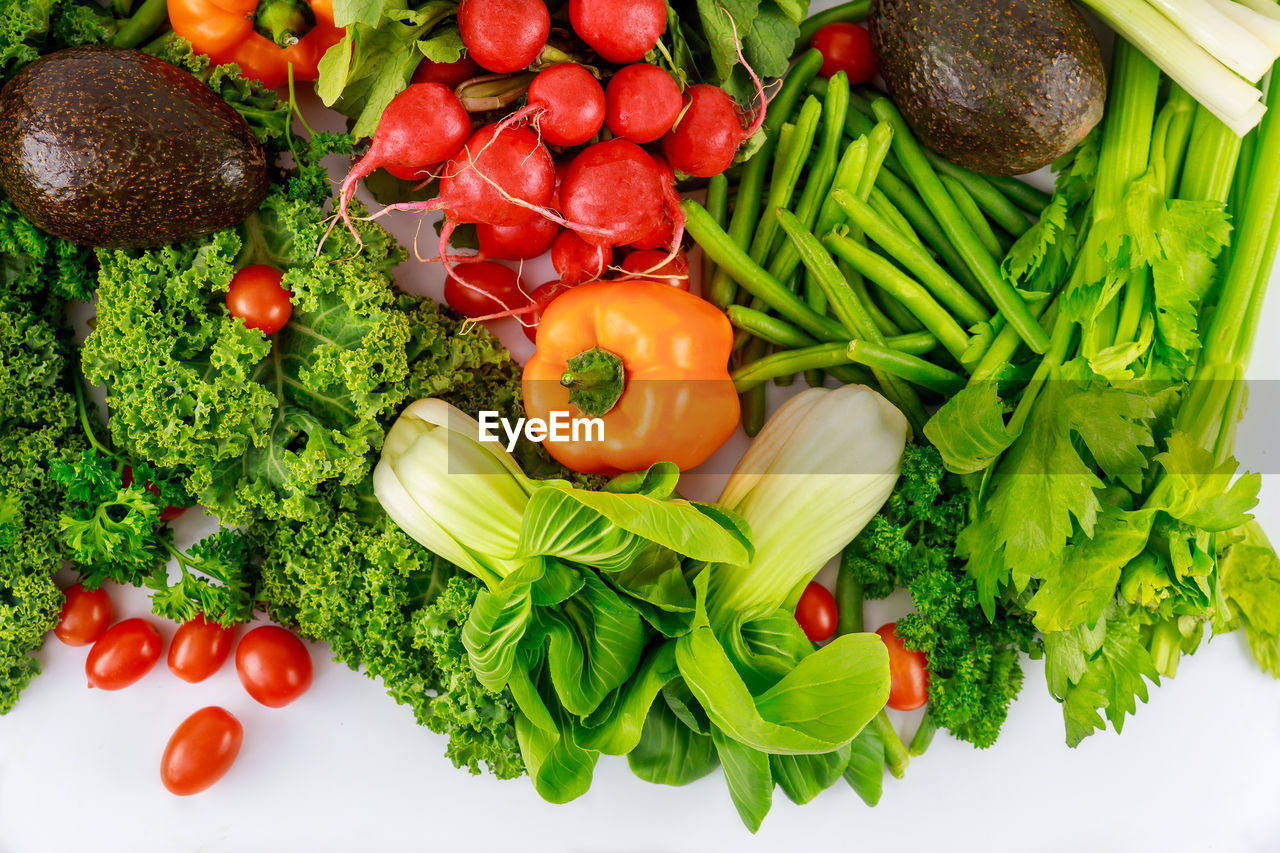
[(972, 215), (913, 209), (835, 105), (854, 11), (884, 322), (780, 333), (746, 210), (790, 362), (848, 310), (893, 218), (914, 258), (979, 260), (994, 204), (793, 152), (816, 378), (903, 288), (754, 406), (735, 262), (1022, 194), (768, 328), (717, 205), (1005, 345), (907, 367), (848, 173), (895, 310)]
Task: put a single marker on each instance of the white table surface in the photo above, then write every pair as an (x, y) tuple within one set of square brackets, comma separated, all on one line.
[(346, 769)]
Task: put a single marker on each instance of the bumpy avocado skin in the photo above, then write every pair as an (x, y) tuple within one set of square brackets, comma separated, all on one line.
[(114, 148), (999, 86)]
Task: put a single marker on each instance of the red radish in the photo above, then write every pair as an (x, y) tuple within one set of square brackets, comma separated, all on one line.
[(451, 74), (706, 138), (541, 296), (642, 102), (502, 176), (577, 261), (615, 188), (517, 242), (566, 104), (483, 287), (655, 265), (668, 231), (504, 35), (422, 127), (621, 31)]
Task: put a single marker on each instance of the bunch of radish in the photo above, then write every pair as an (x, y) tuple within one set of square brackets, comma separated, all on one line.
[(585, 168)]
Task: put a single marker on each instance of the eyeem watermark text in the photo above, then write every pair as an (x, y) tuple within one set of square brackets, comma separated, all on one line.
[(561, 426)]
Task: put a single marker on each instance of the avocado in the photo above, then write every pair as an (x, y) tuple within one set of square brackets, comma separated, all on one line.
[(114, 148), (998, 86)]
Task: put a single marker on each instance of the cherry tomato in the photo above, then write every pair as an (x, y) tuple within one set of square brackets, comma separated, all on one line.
[(541, 296), (653, 264), (816, 612), (86, 614), (123, 655), (257, 296), (483, 287), (845, 47), (273, 665), (452, 74), (200, 751), (169, 513), (199, 649), (908, 672)]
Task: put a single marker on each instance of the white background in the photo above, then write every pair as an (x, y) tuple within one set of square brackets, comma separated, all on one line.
[(345, 768)]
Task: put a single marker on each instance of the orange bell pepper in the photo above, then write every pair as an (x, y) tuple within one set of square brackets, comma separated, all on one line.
[(648, 359), (263, 37)]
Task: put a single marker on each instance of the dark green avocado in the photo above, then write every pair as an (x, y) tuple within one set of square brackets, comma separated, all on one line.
[(114, 148), (999, 86)]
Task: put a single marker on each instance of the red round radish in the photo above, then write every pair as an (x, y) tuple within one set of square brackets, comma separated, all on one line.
[(422, 126), (566, 103), (577, 261), (706, 138), (504, 35), (497, 177), (481, 288), (451, 74), (621, 31), (517, 242), (616, 190), (668, 230), (657, 265), (642, 102)]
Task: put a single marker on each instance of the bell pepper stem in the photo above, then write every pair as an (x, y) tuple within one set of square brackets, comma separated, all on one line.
[(283, 21), (596, 379)]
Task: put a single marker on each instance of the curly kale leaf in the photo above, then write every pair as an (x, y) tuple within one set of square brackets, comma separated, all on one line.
[(350, 577), (29, 28), (256, 424), (37, 430), (974, 667)]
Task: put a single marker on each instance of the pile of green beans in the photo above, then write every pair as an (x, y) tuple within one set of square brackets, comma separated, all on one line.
[(850, 251)]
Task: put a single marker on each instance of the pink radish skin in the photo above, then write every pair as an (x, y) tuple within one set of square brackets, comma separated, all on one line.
[(566, 104), (503, 35), (422, 127), (615, 188), (642, 102), (577, 261), (517, 242), (705, 140), (621, 31), (451, 74)]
